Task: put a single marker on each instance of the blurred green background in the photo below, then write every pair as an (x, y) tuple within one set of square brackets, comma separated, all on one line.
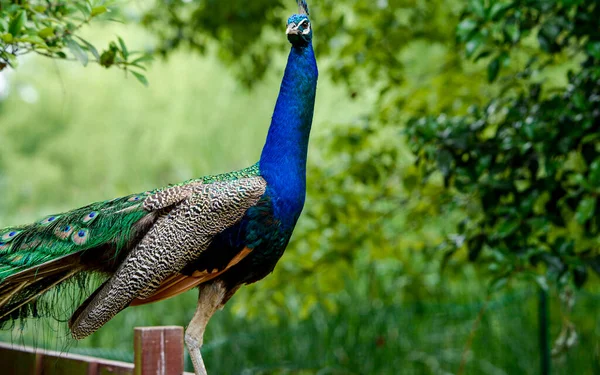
[(368, 285)]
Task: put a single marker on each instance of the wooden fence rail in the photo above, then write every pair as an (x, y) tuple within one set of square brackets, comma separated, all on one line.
[(157, 351)]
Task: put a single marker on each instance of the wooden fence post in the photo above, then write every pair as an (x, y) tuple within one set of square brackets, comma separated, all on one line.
[(158, 351)]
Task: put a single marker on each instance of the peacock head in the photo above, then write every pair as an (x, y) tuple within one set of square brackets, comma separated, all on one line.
[(299, 30)]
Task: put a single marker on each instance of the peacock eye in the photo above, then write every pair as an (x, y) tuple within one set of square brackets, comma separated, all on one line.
[(304, 23)]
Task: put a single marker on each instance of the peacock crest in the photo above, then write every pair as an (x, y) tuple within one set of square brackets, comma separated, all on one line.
[(303, 7)]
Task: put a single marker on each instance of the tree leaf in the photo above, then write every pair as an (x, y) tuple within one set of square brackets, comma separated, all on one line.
[(83, 8), (594, 175), (498, 9), (498, 283), (3, 25), (477, 7), (493, 69), (90, 48), (593, 49), (140, 77), (507, 227), (46, 32), (17, 23), (473, 44), (465, 28), (96, 11), (512, 32), (585, 209), (124, 51), (142, 59), (77, 51), (7, 38)]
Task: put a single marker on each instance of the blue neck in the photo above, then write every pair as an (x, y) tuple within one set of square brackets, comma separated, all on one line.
[(283, 159)]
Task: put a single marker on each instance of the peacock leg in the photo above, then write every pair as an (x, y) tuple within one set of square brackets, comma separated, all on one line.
[(210, 300)]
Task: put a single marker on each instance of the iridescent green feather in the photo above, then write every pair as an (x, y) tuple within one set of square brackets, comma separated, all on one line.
[(251, 171), (67, 233)]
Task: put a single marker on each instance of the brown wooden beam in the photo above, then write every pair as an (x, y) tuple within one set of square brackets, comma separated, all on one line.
[(158, 351), (24, 360)]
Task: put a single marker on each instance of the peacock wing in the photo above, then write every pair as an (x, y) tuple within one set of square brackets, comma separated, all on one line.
[(111, 225), (38, 256), (175, 239)]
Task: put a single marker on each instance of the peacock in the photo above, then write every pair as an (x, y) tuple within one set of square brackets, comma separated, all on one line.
[(215, 233)]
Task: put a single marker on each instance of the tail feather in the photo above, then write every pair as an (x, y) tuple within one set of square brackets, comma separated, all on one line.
[(19, 300), (37, 257), (104, 223), (9, 291), (46, 269)]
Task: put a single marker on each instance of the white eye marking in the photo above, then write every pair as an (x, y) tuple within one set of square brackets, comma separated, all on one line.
[(307, 30)]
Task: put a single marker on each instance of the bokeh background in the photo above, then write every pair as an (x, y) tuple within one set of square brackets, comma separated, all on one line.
[(385, 274)]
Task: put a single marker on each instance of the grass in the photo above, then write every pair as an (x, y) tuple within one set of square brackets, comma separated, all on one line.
[(362, 337)]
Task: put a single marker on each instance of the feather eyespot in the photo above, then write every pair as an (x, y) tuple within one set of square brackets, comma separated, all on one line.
[(90, 217), (9, 236), (64, 232), (80, 237), (4, 246), (49, 220), (135, 198)]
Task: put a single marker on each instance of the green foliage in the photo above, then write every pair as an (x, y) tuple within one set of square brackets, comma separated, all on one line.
[(237, 26), (53, 29), (525, 165)]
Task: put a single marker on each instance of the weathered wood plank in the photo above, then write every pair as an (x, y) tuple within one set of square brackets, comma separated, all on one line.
[(23, 360), (16, 362), (158, 351), (63, 365)]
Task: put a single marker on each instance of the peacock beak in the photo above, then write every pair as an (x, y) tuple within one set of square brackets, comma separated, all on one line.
[(292, 29)]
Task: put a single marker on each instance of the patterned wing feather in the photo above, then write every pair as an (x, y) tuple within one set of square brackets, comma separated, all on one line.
[(179, 283)]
